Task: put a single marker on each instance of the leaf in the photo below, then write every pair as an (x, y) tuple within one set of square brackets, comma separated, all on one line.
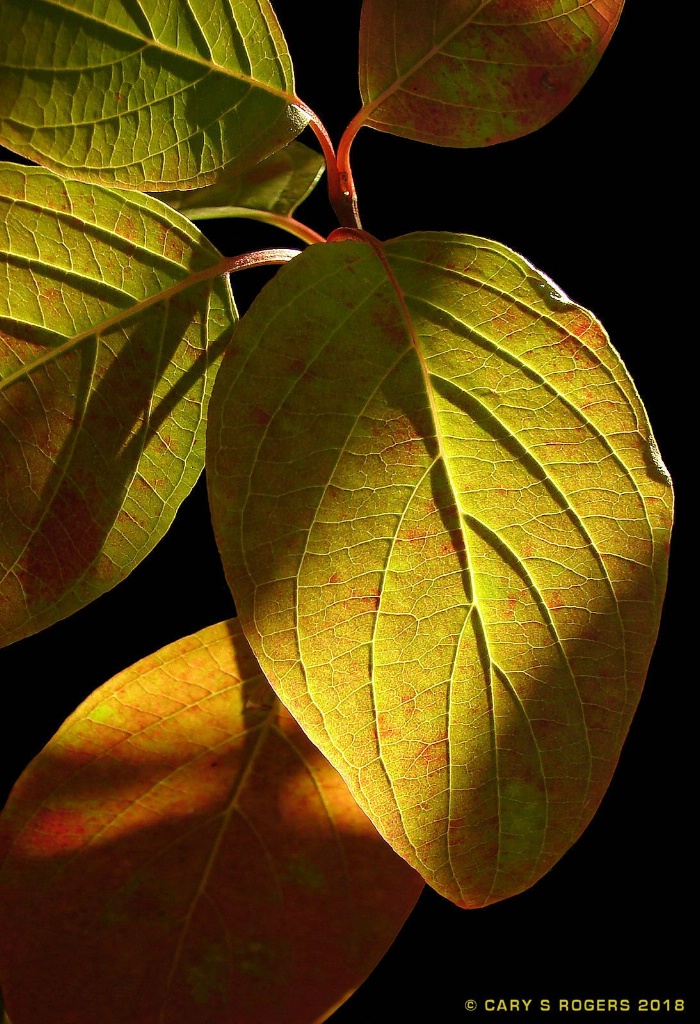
[(180, 852), (143, 94), (111, 325), (277, 185), (477, 72), (444, 522)]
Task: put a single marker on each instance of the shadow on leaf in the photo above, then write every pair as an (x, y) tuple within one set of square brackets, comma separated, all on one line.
[(181, 851)]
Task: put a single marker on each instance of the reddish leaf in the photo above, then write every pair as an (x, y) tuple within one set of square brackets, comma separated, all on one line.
[(476, 72), (180, 853)]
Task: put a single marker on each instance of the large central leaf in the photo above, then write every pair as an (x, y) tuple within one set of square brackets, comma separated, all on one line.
[(147, 94), (444, 522)]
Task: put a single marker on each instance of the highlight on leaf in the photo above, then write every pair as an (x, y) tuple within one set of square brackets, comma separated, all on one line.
[(149, 96), (181, 852), (108, 345), (444, 521), (476, 72)]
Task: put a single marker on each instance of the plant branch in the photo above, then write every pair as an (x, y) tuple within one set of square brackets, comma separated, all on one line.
[(341, 189), (286, 223), (343, 159), (232, 264), (353, 235), (291, 225)]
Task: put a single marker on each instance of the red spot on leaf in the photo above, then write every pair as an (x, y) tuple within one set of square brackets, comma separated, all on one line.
[(412, 533), (261, 417), (55, 830), (63, 550), (127, 228)]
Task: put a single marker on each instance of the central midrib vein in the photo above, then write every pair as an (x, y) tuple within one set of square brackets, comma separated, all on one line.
[(232, 805), (467, 574)]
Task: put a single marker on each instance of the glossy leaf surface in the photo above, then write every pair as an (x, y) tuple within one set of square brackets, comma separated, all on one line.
[(444, 521), (108, 346), (149, 95), (180, 852), (477, 72), (276, 185)]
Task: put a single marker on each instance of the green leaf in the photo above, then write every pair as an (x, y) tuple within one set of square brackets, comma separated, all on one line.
[(444, 521), (277, 186), (111, 324), (477, 72), (180, 852), (146, 95)]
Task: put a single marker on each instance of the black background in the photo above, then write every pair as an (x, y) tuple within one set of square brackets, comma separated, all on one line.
[(595, 201)]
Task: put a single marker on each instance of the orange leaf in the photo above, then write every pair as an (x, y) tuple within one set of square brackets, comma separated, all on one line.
[(180, 853)]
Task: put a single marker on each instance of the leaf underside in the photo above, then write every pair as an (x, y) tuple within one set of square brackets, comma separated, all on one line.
[(104, 383), (444, 521), (146, 95), (277, 185), (180, 852), (477, 72)]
